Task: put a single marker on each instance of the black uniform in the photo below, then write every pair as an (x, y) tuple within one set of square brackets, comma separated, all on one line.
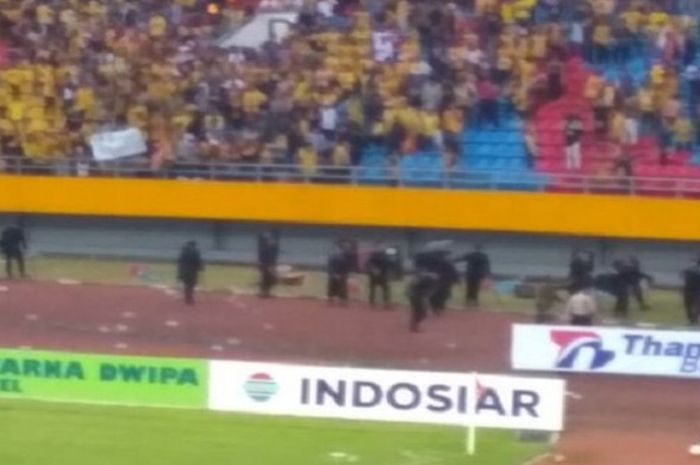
[(339, 267), (438, 264), (13, 243), (419, 291), (268, 252), (620, 288), (615, 284), (447, 276), (634, 277), (691, 293), (378, 268), (189, 265), (478, 269), (581, 272)]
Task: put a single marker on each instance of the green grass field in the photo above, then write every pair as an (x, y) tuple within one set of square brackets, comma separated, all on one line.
[(35, 433), (666, 305)]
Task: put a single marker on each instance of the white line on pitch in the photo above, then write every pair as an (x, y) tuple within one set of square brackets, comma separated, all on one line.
[(538, 459)]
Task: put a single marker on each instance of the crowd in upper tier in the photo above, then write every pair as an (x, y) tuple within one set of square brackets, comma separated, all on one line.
[(399, 76)]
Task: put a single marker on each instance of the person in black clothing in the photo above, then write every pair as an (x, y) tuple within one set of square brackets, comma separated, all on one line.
[(268, 252), (634, 277), (189, 265), (419, 291), (338, 269), (573, 131), (447, 276), (691, 293), (13, 244), (581, 270), (619, 286), (378, 269), (436, 260), (478, 269)]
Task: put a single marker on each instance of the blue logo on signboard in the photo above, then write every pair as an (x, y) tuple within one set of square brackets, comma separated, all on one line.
[(573, 343)]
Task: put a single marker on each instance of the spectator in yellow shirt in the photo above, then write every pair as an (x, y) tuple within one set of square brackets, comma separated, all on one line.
[(683, 133)]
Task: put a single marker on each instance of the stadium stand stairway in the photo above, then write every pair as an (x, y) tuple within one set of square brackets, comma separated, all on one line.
[(496, 157)]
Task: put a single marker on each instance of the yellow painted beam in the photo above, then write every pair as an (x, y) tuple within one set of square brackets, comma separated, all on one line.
[(588, 215)]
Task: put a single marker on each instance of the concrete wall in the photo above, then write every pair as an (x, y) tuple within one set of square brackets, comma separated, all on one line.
[(512, 254)]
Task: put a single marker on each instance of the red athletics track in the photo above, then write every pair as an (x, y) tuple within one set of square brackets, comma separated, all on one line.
[(618, 420)]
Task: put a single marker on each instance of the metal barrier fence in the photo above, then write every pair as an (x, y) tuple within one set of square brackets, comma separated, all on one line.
[(452, 178)]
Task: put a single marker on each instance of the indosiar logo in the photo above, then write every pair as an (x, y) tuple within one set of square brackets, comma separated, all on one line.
[(261, 387), (572, 344)]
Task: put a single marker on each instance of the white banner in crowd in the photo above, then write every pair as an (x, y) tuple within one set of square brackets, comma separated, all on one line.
[(606, 350), (113, 145), (384, 46), (387, 395)]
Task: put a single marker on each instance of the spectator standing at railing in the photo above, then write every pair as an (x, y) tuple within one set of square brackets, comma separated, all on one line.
[(531, 147), (573, 131)]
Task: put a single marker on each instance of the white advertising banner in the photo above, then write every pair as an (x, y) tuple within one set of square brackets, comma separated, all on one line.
[(387, 395), (107, 146), (627, 351)]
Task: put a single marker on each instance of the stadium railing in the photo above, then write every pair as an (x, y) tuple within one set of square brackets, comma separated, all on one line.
[(451, 178)]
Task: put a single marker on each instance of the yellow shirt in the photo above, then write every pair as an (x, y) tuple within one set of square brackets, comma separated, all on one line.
[(252, 100), (602, 34), (632, 19), (683, 130), (657, 75), (6, 127), (308, 161), (452, 121), (44, 15), (341, 155), (84, 99), (157, 26), (645, 100), (410, 118), (15, 110), (539, 45), (507, 13)]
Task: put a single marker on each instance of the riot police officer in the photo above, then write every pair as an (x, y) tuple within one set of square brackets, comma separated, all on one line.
[(436, 260), (268, 252), (338, 269), (581, 270), (379, 266), (691, 292), (447, 277), (634, 277), (13, 244), (478, 269), (189, 265), (419, 290)]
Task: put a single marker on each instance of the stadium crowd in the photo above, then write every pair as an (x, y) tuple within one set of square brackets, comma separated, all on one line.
[(405, 75)]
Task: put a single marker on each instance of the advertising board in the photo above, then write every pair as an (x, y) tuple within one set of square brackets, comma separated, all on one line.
[(388, 395), (627, 351), (103, 379)]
